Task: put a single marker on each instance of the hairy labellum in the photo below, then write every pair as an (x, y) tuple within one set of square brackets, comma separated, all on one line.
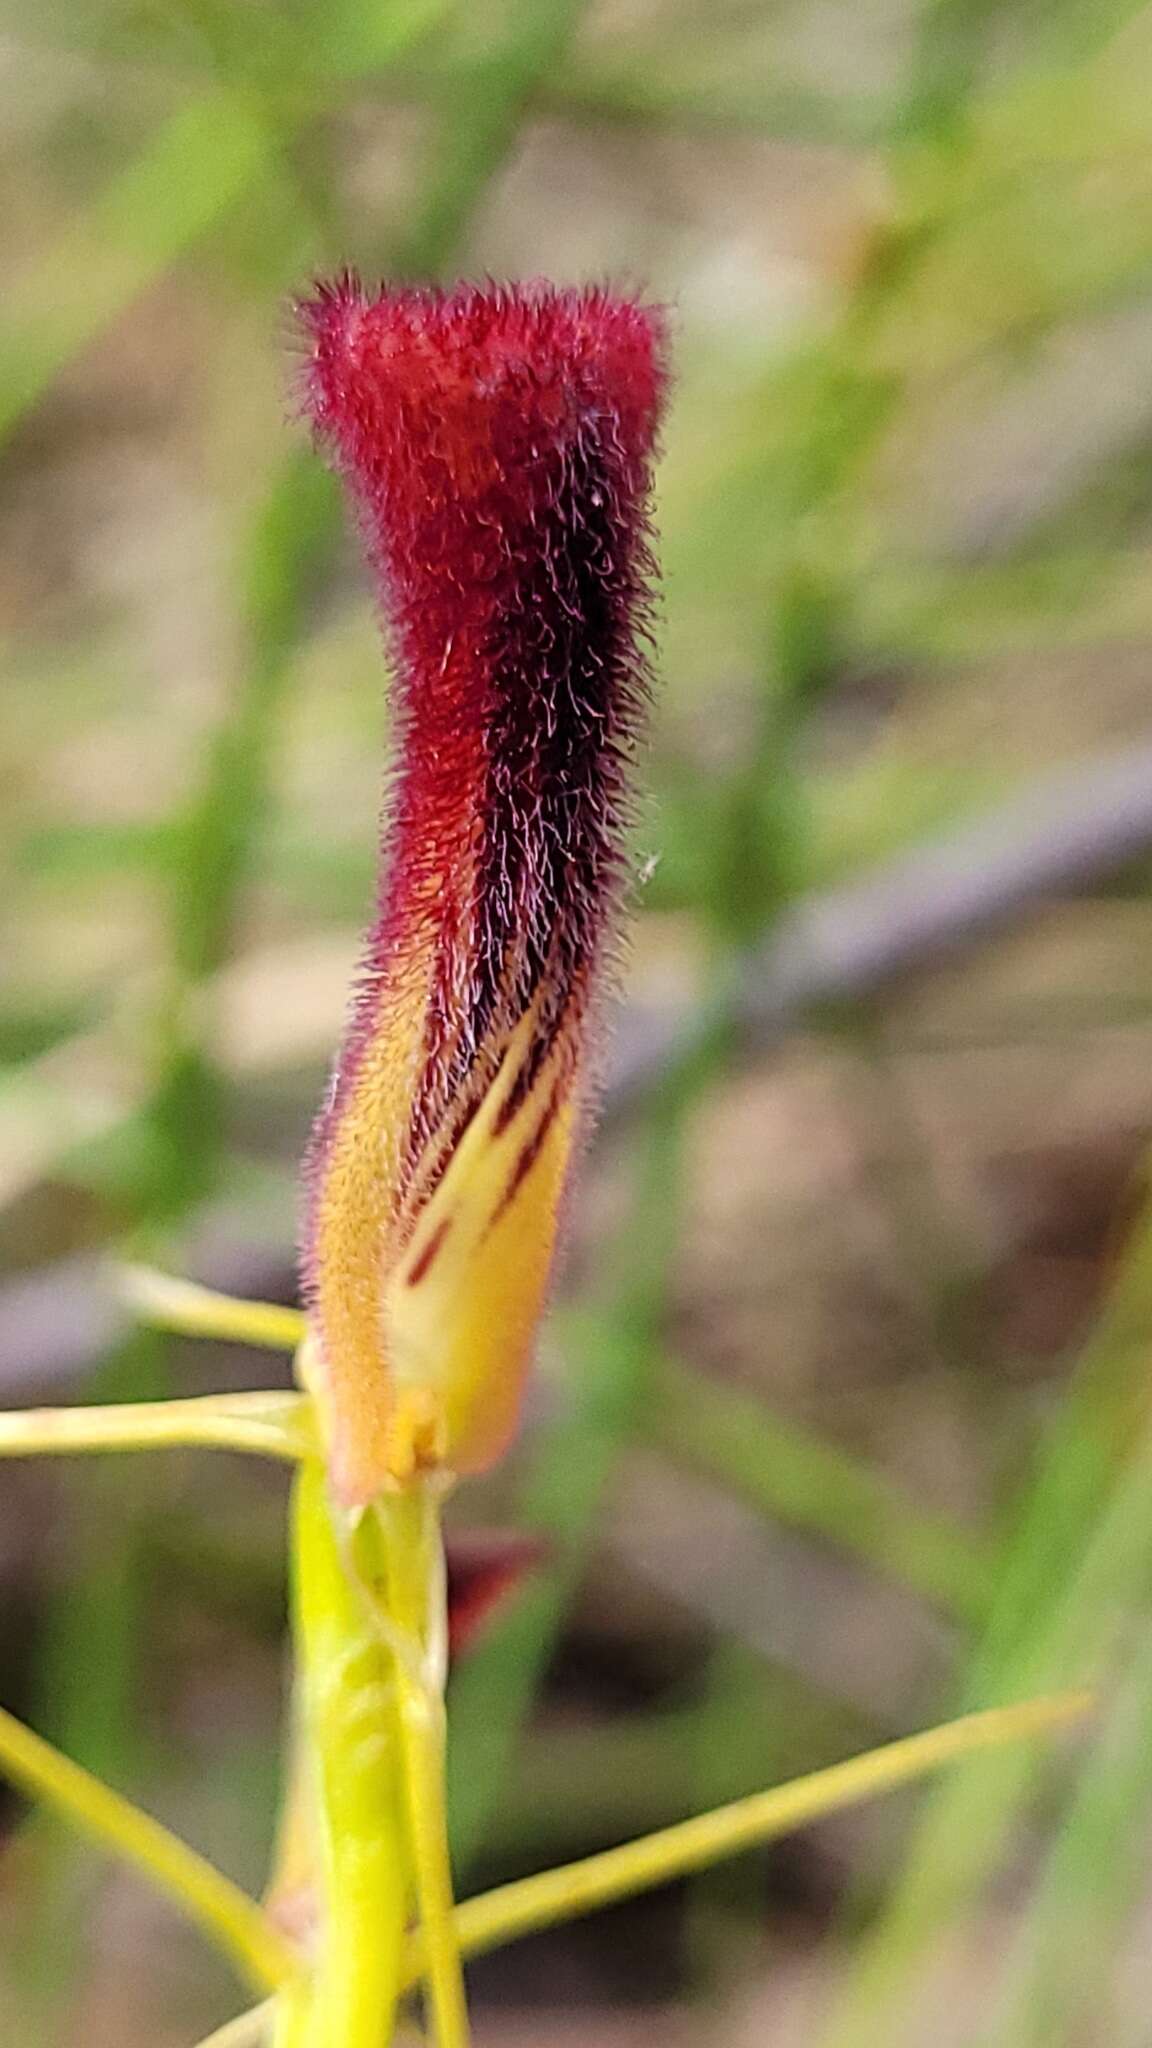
[(497, 443)]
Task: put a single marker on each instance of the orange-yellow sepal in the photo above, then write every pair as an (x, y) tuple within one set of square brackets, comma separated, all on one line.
[(452, 1319)]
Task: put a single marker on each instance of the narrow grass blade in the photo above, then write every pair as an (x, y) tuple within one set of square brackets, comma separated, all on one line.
[(556, 1895), (271, 1425), (199, 163), (787, 1474), (481, 114), (247, 2030), (193, 1311), (1076, 1559), (1078, 1916), (226, 1914)]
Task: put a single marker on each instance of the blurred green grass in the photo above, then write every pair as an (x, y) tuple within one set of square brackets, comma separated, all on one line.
[(909, 254)]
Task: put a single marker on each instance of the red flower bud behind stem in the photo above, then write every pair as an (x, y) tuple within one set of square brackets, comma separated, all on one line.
[(498, 445)]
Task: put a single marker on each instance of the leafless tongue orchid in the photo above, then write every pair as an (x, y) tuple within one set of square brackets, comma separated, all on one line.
[(498, 445)]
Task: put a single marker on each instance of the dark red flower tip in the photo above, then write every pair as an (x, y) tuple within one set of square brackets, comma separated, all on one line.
[(498, 444), (476, 388)]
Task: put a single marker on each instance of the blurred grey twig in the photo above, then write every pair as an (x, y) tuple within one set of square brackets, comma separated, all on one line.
[(1063, 836)]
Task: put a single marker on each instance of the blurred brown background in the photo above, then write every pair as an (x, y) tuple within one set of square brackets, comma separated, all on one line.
[(811, 1449)]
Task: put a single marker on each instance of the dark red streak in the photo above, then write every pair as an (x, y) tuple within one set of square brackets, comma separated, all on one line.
[(528, 1156), (430, 1253)]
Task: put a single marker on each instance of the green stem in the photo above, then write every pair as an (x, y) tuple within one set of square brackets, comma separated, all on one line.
[(348, 1722), (417, 1608)]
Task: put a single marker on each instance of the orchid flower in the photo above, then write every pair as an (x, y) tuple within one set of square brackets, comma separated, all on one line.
[(498, 447)]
